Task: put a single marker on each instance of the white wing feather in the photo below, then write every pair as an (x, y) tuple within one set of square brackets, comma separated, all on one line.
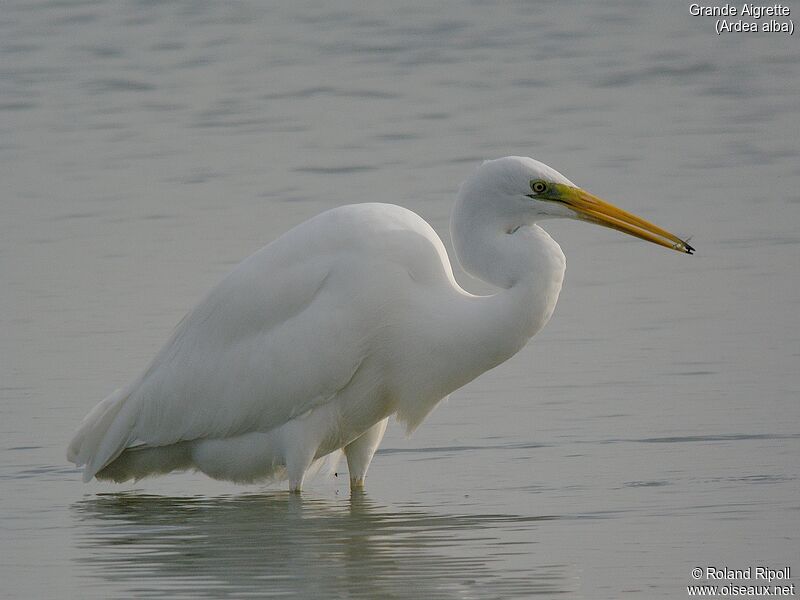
[(279, 336)]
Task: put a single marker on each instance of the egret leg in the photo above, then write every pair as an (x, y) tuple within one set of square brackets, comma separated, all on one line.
[(360, 451), (298, 458), (296, 476)]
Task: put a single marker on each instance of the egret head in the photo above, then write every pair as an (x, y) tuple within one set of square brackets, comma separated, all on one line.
[(521, 190)]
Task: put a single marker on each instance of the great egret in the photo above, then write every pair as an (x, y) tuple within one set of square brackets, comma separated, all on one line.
[(310, 345)]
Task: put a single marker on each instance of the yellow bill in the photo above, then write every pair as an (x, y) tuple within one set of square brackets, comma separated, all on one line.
[(593, 209)]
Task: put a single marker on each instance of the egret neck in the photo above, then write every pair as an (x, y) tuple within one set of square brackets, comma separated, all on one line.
[(519, 258)]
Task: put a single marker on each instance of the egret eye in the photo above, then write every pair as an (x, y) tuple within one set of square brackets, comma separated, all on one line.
[(538, 186)]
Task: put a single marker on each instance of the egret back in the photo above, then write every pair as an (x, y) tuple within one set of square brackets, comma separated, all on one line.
[(281, 335)]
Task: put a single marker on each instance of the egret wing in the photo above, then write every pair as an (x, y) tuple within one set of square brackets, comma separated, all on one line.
[(272, 341)]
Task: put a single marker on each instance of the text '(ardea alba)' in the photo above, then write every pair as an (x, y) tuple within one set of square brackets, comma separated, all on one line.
[(309, 345)]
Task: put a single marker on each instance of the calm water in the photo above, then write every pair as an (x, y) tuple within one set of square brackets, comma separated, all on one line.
[(653, 426)]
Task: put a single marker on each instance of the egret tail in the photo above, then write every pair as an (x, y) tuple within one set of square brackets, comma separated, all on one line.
[(94, 444)]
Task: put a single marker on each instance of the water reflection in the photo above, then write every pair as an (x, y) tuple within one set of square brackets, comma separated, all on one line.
[(279, 544)]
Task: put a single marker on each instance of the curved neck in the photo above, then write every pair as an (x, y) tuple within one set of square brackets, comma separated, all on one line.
[(477, 333), (521, 259)]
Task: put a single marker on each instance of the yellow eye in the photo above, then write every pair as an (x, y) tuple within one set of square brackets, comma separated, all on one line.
[(538, 186)]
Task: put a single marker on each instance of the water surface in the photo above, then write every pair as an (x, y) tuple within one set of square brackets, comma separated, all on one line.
[(653, 426)]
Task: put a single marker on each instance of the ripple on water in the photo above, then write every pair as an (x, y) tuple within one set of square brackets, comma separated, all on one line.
[(320, 548)]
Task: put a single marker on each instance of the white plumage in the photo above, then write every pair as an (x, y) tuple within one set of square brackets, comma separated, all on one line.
[(310, 344)]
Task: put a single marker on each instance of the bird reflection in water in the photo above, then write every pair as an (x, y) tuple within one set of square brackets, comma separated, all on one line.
[(281, 544)]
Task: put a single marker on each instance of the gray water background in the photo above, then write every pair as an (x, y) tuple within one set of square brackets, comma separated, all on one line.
[(653, 426)]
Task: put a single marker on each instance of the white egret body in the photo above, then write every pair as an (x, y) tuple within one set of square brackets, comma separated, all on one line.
[(309, 345)]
